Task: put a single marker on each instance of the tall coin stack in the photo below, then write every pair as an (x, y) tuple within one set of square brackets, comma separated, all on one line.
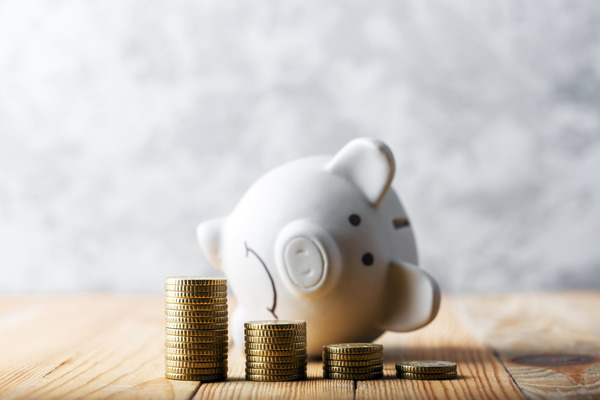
[(357, 361), (196, 329), (275, 350)]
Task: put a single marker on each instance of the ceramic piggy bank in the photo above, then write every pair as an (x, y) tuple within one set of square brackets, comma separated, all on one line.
[(325, 240)]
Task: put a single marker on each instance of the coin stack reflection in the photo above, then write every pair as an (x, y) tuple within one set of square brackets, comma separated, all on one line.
[(275, 350), (357, 361), (196, 329)]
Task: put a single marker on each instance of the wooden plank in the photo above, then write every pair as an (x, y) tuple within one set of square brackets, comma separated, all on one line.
[(85, 346), (481, 375), (549, 342)]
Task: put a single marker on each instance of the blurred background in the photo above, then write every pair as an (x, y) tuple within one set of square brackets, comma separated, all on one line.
[(123, 124)]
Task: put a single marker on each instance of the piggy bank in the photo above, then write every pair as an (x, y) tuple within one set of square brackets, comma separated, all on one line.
[(324, 239)]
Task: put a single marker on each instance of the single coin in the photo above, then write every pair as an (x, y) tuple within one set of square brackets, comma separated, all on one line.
[(437, 377), (195, 358), (197, 320), (196, 314), (196, 346), (276, 360), (426, 366), (209, 326), (196, 307), (275, 325), (196, 332), (191, 351), (353, 348), (195, 295), (195, 364), (275, 353), (271, 371), (364, 363), (194, 300), (352, 357), (196, 288), (280, 333), (197, 371), (220, 339), (275, 378), (196, 377), (276, 346), (353, 370), (356, 377), (194, 281), (283, 366), (275, 340)]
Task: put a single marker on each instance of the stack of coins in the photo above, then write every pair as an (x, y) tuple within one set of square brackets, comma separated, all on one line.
[(275, 351), (196, 329), (428, 370), (357, 361)]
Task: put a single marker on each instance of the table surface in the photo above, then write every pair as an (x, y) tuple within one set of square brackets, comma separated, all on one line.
[(528, 345)]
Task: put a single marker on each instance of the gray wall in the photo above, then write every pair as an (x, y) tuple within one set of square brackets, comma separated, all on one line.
[(125, 123)]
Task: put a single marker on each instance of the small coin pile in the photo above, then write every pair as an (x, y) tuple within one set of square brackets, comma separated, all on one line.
[(426, 370), (275, 350), (357, 361), (196, 329)]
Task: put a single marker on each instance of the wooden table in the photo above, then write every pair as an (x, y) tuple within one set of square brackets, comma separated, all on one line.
[(510, 346)]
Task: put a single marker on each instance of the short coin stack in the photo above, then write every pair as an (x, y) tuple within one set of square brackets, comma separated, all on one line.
[(275, 350), (427, 370), (196, 329), (357, 361)]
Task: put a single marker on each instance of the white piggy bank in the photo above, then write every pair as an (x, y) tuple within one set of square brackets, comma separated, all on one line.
[(325, 240)]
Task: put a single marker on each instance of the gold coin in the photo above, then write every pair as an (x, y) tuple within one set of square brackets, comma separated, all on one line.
[(197, 346), (195, 358), (196, 289), (352, 357), (276, 360), (196, 314), (194, 281), (197, 339), (356, 377), (197, 371), (193, 300), (363, 363), (197, 320), (272, 371), (195, 295), (275, 325), (275, 378), (196, 377), (191, 351), (281, 333), (437, 377), (275, 353), (353, 348), (283, 366), (353, 370), (426, 367), (179, 325), (195, 364), (201, 308), (276, 346), (276, 340), (196, 332)]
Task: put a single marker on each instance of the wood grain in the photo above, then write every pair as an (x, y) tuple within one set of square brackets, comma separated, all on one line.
[(481, 375), (561, 331)]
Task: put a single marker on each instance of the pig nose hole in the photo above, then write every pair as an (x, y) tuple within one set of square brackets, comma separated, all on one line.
[(367, 259), (304, 261)]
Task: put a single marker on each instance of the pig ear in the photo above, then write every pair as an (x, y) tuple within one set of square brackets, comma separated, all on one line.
[(369, 164), (209, 236), (412, 298)]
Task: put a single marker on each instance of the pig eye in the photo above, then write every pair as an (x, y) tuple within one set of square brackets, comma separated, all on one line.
[(354, 219), (368, 259)]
